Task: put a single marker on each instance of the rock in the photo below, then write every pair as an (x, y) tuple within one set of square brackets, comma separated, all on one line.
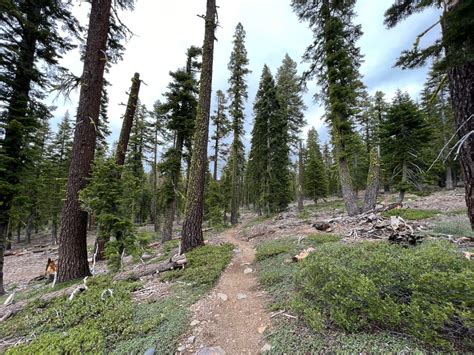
[(215, 350), (266, 347), (181, 348), (241, 296), (191, 339), (237, 250), (321, 226), (150, 351), (261, 329), (248, 270), (195, 322), (222, 296)]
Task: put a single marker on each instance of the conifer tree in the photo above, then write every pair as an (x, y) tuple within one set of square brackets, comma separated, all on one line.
[(457, 43), (238, 95), (59, 157), (335, 61), (29, 35), (180, 109), (316, 184), (222, 127), (192, 224), (103, 44), (289, 90), (404, 132)]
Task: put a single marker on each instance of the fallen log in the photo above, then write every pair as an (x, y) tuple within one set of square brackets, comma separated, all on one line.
[(7, 311), (176, 262)]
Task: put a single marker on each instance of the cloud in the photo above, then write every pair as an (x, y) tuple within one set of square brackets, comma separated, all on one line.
[(164, 30)]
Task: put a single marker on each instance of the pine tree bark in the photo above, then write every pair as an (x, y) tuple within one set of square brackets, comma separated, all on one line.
[(127, 122), (350, 199), (300, 178), (401, 196), (72, 261), (192, 224), (373, 180), (461, 85)]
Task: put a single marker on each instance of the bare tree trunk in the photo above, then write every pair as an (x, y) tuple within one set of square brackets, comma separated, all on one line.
[(401, 196), (29, 226), (348, 194), (18, 232), (154, 171), (72, 263), (449, 176), (3, 233), (122, 146), (300, 178), (127, 122), (373, 180), (192, 224)]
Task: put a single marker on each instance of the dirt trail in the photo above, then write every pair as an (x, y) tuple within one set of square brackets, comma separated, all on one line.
[(232, 317)]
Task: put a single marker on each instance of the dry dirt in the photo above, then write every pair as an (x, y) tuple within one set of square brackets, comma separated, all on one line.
[(232, 316)]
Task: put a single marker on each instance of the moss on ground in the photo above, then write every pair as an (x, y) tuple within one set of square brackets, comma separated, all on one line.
[(91, 323)]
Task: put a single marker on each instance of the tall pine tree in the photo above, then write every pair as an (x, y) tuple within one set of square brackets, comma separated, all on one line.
[(238, 95), (316, 183), (335, 61)]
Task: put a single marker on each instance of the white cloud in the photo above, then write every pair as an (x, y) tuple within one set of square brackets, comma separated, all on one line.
[(164, 30)]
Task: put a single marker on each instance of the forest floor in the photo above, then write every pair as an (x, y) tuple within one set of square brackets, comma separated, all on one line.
[(246, 309)]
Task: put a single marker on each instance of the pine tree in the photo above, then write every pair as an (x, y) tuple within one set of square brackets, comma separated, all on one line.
[(59, 157), (192, 224), (289, 90), (435, 102), (180, 109), (238, 95), (335, 61), (258, 167), (404, 132), (316, 184), (222, 127), (457, 43), (29, 36)]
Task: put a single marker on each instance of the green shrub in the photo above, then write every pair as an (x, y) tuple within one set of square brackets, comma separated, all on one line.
[(204, 266), (272, 248), (411, 213), (426, 292), (456, 227)]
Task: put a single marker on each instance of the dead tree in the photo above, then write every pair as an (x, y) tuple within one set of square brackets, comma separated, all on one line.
[(192, 230)]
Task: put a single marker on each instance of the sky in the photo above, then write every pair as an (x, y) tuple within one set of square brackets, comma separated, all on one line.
[(163, 30)]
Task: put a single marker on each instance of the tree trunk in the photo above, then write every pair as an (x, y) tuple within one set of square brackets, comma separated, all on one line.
[(401, 196), (122, 145), (154, 201), (192, 224), (29, 226), (3, 233), (461, 83), (234, 203), (54, 229), (128, 120), (72, 262), (8, 243), (300, 179), (449, 176), (216, 153), (373, 180), (172, 205), (348, 194), (18, 232)]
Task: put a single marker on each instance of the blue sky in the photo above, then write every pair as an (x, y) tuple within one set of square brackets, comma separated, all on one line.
[(164, 30)]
